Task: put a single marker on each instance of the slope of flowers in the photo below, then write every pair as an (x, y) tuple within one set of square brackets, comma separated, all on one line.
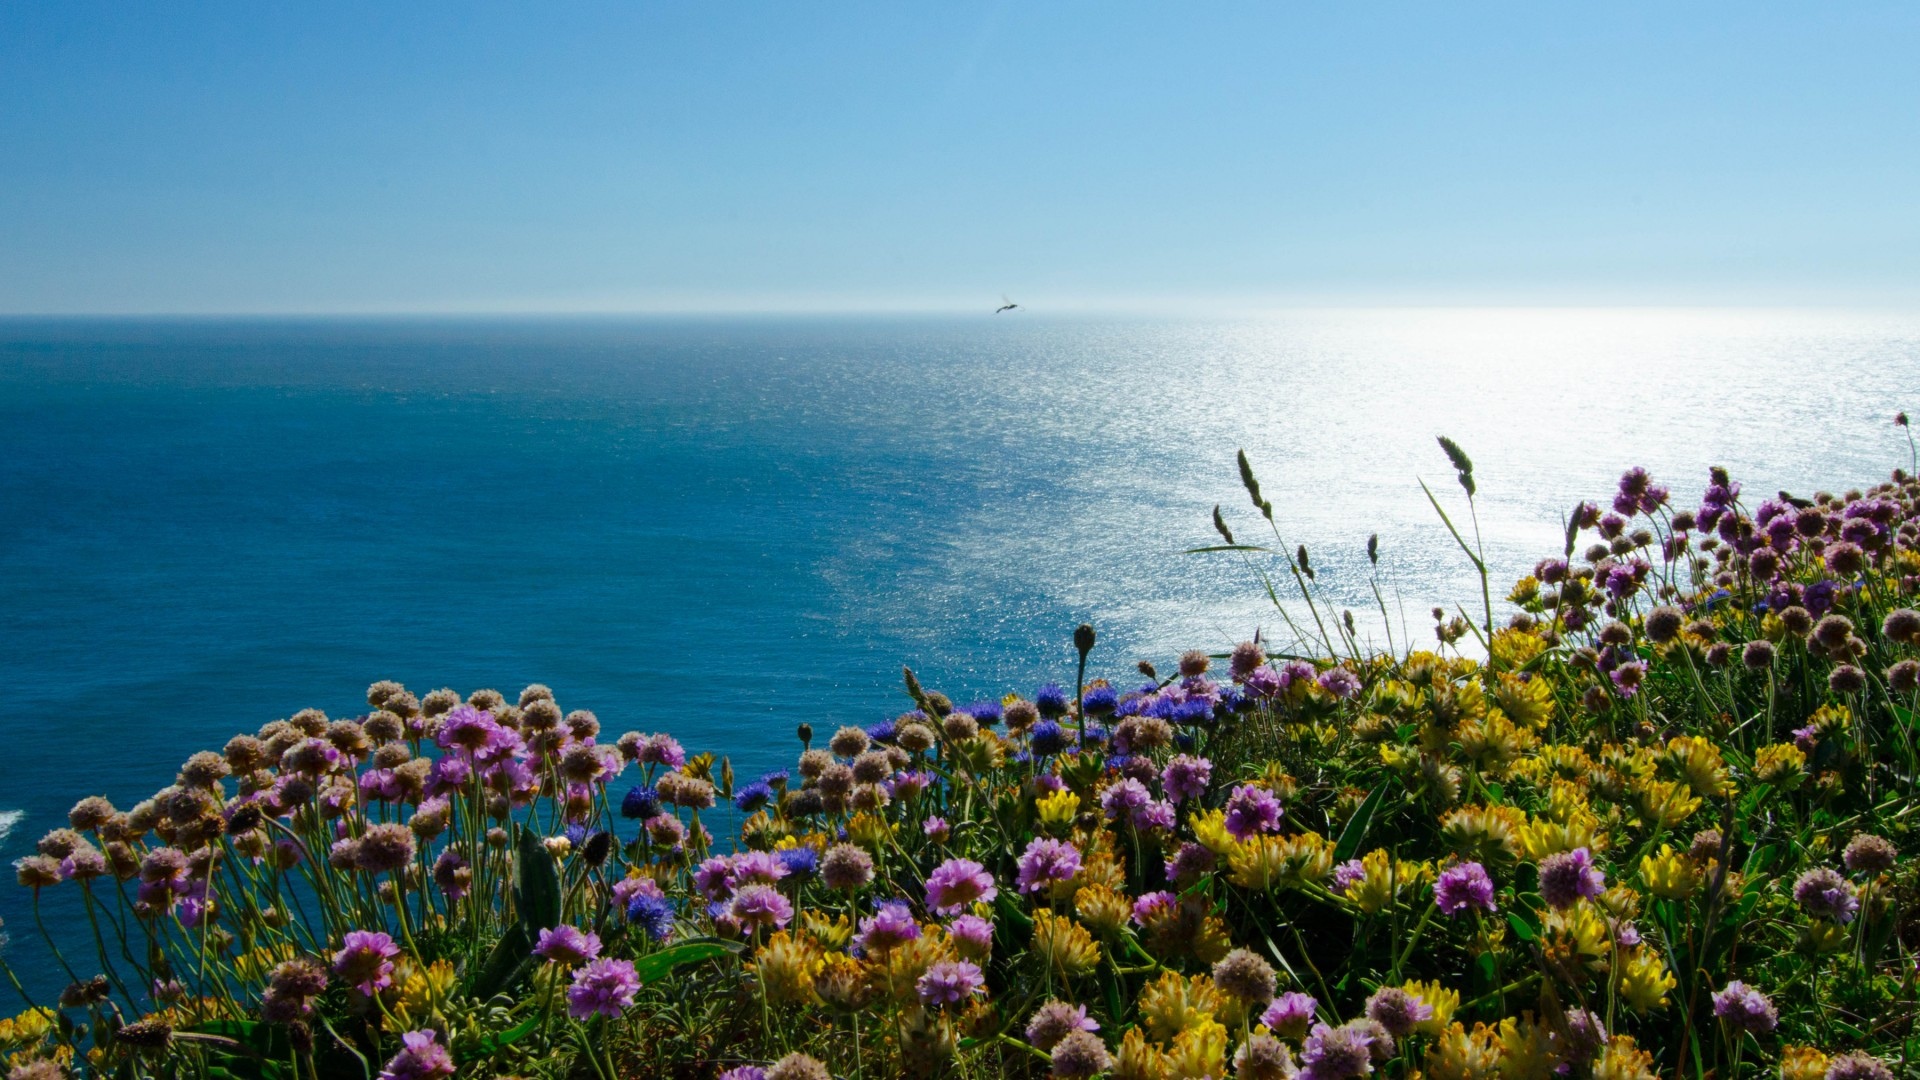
[(1654, 832)]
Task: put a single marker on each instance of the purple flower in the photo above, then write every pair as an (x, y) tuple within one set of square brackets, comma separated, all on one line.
[(1570, 875), (957, 884), (757, 905), (1250, 811), (1047, 861), (602, 988), (744, 1072), (1186, 777), (1190, 861), (1332, 1053), (1397, 1011), (1827, 895), (421, 1057), (764, 867), (652, 912), (1123, 798), (465, 728), (1291, 1014), (1346, 876), (890, 926), (664, 750), (567, 945), (950, 982), (936, 829), (1340, 682), (1464, 886), (1056, 1020), (1743, 1008), (1145, 907), (365, 960), (972, 936)]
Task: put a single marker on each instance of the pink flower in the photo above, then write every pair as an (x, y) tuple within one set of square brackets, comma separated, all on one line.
[(567, 945), (421, 1057), (365, 960), (950, 982), (758, 905), (957, 884), (1047, 861), (602, 988)]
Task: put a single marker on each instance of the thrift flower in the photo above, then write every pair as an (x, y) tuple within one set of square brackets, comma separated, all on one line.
[(957, 884), (365, 960), (602, 988), (1464, 886)]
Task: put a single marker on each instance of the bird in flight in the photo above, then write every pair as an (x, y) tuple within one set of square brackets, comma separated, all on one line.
[(1008, 305)]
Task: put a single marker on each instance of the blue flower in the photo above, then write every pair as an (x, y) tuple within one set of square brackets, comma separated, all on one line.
[(1119, 761), (986, 712), (1051, 700), (641, 802), (1100, 701), (1049, 738), (576, 834), (799, 861), (881, 732), (1192, 711), (655, 913), (752, 797), (1183, 740), (775, 779)]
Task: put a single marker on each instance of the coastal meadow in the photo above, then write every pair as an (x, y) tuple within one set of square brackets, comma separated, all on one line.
[(1647, 820)]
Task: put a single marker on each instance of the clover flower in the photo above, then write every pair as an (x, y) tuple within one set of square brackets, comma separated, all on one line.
[(846, 868), (1858, 1065), (1244, 975)]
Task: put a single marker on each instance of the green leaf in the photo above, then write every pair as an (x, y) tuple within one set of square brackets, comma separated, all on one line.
[(1499, 793), (536, 886), (503, 965), (495, 1043), (1356, 829), (1523, 928), (655, 966)]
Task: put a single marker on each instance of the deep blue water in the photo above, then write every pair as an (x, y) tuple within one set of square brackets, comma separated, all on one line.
[(725, 527)]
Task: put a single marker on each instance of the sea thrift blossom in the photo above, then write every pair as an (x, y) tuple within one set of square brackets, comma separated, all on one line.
[(1743, 1008), (1332, 1053), (421, 1057), (1397, 1010), (1826, 895), (1186, 777), (757, 905), (602, 988), (1869, 854), (936, 829), (890, 926), (1251, 811), (1047, 861), (972, 936), (744, 1072), (1569, 876), (365, 960), (957, 884), (1464, 886), (1056, 1020), (950, 982), (1291, 1014), (846, 868), (567, 945), (1346, 876), (1151, 903), (1340, 682)]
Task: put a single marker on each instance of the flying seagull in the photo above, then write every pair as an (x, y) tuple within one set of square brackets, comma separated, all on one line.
[(1008, 306)]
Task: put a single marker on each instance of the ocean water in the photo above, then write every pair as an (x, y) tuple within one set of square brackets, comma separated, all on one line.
[(725, 527)]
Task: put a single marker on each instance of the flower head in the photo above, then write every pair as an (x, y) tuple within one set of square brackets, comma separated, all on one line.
[(1465, 885), (1743, 1008), (1056, 1020), (366, 960), (1252, 810), (1826, 895), (567, 945), (1290, 1014), (1047, 861), (957, 884), (950, 982), (1570, 875), (602, 988), (421, 1057)]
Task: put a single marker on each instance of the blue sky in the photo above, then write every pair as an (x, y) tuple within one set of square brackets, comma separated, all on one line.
[(260, 157)]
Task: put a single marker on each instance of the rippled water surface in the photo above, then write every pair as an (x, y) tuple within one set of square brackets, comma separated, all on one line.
[(724, 527)]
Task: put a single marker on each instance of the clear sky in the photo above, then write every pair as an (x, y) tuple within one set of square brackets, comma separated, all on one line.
[(342, 157)]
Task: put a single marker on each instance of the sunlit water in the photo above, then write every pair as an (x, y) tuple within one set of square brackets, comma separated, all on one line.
[(726, 527)]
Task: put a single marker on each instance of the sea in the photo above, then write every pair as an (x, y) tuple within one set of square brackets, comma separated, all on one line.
[(725, 527)]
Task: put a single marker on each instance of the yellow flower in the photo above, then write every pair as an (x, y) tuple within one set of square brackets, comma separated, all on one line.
[(1483, 833), (1199, 1051), (1210, 829), (1525, 591), (786, 967), (1539, 839), (1102, 909), (1494, 742), (1172, 1004), (1645, 980), (1526, 1049), (1527, 701), (1669, 874), (29, 1027), (1803, 1063), (1058, 809), (1138, 1059), (841, 982), (1269, 862), (831, 934), (1441, 1000), (422, 990), (1064, 944), (1383, 879), (1578, 938), (1621, 1060), (1783, 765), (1665, 803), (1567, 762), (869, 831), (1698, 762), (1457, 1054), (903, 965)]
